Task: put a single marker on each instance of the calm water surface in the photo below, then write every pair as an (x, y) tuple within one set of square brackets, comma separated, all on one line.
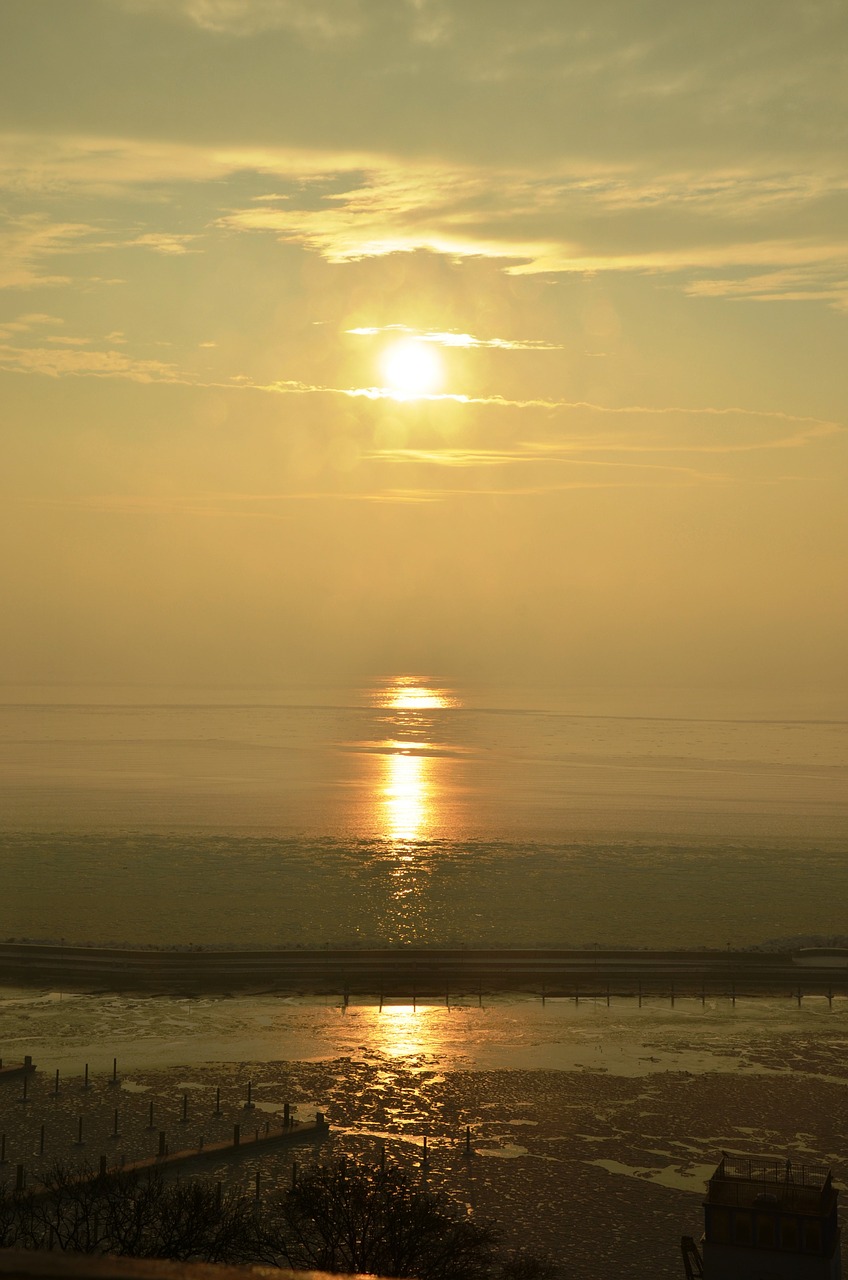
[(413, 811)]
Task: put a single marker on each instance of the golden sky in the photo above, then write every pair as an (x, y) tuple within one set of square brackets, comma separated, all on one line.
[(350, 337)]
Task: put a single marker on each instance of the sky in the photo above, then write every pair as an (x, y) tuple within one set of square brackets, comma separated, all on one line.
[(347, 338)]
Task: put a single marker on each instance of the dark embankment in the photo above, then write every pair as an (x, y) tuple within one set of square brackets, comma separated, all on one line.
[(414, 972)]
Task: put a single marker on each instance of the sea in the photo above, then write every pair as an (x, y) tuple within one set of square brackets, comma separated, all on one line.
[(413, 810)]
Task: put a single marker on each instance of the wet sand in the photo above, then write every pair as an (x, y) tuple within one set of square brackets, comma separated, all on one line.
[(593, 1128)]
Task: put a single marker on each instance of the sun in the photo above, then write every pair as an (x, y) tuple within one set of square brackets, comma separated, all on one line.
[(411, 369)]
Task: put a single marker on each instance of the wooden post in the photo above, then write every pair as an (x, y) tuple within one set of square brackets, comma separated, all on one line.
[(79, 1132), (294, 1174), (114, 1071), (258, 1177), (85, 1085), (115, 1126), (26, 1083), (218, 1101), (150, 1123), (56, 1085), (640, 995), (248, 1106), (424, 1153), (383, 1158), (185, 1108), (286, 1115)]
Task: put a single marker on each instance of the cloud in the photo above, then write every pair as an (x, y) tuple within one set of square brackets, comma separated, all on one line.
[(327, 19), (815, 283), (675, 224), (71, 361), (164, 242), (27, 242), (454, 339), (347, 205)]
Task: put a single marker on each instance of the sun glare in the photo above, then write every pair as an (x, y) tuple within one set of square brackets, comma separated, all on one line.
[(411, 369)]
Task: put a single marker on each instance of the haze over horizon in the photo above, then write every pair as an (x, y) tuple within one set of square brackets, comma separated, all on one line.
[(354, 339)]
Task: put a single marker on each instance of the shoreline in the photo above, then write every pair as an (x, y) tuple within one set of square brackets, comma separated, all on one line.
[(422, 972)]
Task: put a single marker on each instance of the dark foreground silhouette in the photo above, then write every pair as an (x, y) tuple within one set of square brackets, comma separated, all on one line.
[(341, 1217)]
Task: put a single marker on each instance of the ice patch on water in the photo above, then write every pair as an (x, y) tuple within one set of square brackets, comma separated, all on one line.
[(509, 1151), (692, 1178)]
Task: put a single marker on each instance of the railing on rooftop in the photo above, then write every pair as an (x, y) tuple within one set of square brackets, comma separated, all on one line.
[(773, 1172)]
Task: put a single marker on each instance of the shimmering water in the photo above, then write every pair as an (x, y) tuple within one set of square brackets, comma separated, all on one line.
[(413, 811)]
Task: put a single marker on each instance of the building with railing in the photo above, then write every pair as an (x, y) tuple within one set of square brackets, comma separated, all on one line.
[(768, 1220)]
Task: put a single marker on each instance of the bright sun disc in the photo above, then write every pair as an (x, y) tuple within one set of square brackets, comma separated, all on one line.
[(411, 369)]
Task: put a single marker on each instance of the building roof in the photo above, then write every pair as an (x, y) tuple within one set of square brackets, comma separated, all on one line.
[(752, 1182)]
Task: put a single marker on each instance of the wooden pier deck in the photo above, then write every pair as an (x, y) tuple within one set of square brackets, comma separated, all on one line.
[(243, 1142)]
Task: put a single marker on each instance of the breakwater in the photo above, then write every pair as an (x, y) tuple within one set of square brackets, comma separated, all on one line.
[(418, 972)]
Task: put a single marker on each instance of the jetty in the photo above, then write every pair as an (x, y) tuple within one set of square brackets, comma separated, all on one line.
[(416, 972)]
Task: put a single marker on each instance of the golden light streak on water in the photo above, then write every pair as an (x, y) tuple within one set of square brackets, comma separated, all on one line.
[(410, 693), (408, 795), (411, 764), (401, 1031)]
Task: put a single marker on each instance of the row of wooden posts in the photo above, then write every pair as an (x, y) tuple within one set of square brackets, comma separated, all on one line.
[(249, 1104), (104, 1169), (28, 1069)]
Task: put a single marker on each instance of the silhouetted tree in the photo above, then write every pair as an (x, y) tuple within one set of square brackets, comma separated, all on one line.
[(340, 1217), (345, 1217), (138, 1215)]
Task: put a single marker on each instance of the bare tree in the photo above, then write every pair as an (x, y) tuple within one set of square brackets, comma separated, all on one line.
[(345, 1217), (340, 1217), (142, 1216)]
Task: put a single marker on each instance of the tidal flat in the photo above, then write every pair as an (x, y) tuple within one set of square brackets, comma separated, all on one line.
[(592, 1127)]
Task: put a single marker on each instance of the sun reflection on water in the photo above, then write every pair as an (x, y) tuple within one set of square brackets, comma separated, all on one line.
[(411, 759), (401, 1031), (411, 790), (407, 793)]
